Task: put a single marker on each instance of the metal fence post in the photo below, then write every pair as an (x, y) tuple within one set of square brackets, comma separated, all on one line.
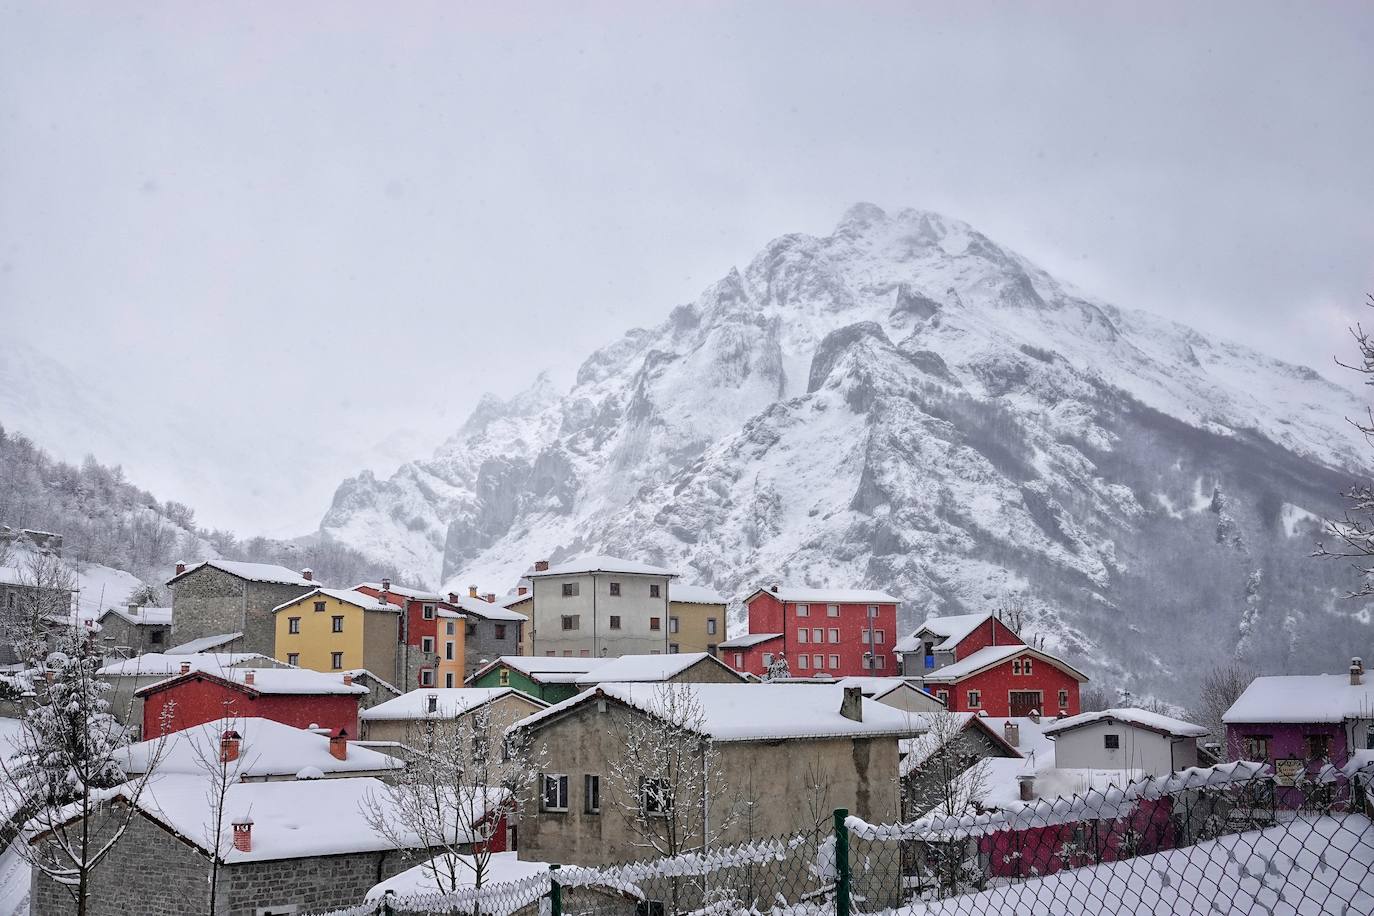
[(841, 863), (555, 892)]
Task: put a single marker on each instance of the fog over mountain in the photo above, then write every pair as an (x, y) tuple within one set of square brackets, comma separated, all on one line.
[(909, 405)]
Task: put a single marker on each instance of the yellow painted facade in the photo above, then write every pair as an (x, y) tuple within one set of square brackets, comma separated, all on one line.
[(695, 627), (326, 633)]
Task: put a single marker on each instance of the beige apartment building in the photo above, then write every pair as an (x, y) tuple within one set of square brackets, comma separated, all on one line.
[(600, 607)]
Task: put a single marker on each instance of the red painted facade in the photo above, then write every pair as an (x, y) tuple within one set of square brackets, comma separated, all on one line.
[(416, 627), (842, 645), (200, 698), (996, 685), (992, 633)]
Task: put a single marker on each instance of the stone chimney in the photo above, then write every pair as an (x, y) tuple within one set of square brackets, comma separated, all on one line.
[(541, 565), (472, 591), (308, 574), (185, 667), (338, 744), (774, 589), (1034, 715), (520, 589), (1026, 783), (1011, 731), (491, 597), (432, 704), (229, 744), (243, 833), (1356, 671), (181, 568), (249, 677), (348, 679), (852, 705), (386, 588)]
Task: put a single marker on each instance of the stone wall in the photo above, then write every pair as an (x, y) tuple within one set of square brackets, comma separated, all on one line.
[(209, 601), (313, 884), (482, 644), (116, 632)]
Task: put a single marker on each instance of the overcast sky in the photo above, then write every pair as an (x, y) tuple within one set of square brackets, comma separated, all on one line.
[(369, 214)]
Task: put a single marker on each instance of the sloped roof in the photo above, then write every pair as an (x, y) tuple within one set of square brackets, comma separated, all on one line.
[(951, 630), (1303, 698), (292, 681), (253, 572), (163, 664), (755, 712), (541, 668), (646, 668), (747, 640), (1140, 717), (488, 610), (347, 596), (143, 617), (601, 564), (450, 703), (995, 655), (404, 591), (267, 748), (204, 644), (828, 595), (694, 594)]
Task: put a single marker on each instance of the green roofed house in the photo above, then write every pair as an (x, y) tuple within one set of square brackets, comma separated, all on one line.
[(547, 678)]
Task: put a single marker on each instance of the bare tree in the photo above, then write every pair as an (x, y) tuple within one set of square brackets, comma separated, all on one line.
[(952, 780), (453, 796), (1095, 699), (1220, 688), (218, 755), (43, 603), (66, 767)]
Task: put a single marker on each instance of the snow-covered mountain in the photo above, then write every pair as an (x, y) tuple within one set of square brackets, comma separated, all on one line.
[(906, 404)]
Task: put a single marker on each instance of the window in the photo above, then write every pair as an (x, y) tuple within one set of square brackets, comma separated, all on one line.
[(1063, 699), (427, 644), (672, 648), (591, 793), (448, 679), (155, 637), (1016, 667), (572, 621), (426, 677), (293, 624), (1111, 742), (336, 660), (739, 663), (1318, 747), (615, 621), (817, 635), (832, 610), (710, 626), (615, 589), (803, 610), (881, 661), (450, 627), (655, 591), (1256, 747), (655, 623), (336, 624), (802, 635), (319, 605), (448, 651), (820, 661), (470, 628), (503, 677), (767, 659), (942, 696), (657, 797), (975, 699), (500, 631), (672, 624), (584, 653), (872, 610), (570, 589), (878, 637), (802, 662), (1026, 666), (834, 635), (550, 653), (293, 658), (567, 653), (427, 612), (555, 792)]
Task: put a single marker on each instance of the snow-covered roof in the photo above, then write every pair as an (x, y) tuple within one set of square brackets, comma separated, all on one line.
[(645, 668), (204, 644), (1152, 721), (601, 564), (449, 702), (266, 748), (876, 687), (422, 879), (404, 591), (828, 595), (1032, 742), (143, 616), (951, 630), (755, 712), (363, 672), (292, 681), (694, 594), (546, 669), (291, 819), (515, 598), (995, 655), (159, 664), (253, 572), (1303, 698), (12, 575), (488, 610), (347, 596), (747, 640)]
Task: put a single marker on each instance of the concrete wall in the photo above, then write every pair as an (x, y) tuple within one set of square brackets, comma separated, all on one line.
[(209, 601), (594, 605), (863, 777), (1139, 749), (911, 699)]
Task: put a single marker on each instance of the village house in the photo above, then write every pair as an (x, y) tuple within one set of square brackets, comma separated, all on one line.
[(596, 607), (521, 601), (772, 733), (294, 696), (217, 597), (432, 639), (896, 692), (839, 632), (216, 642), (403, 719), (491, 630), (1125, 739), (331, 629), (379, 690), (287, 847), (253, 749), (128, 676), (963, 739), (696, 618), (135, 630), (21, 599), (549, 679), (684, 668)]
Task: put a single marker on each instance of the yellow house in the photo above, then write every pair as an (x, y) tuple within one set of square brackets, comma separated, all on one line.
[(332, 629), (696, 618)]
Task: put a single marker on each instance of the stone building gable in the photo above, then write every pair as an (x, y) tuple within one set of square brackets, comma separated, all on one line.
[(208, 601)]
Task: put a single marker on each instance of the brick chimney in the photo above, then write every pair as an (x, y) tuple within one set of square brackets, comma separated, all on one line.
[(181, 568), (386, 589), (452, 597), (1011, 731), (472, 591), (1034, 715), (1026, 783), (243, 833), (491, 597), (249, 677), (520, 589), (348, 679), (229, 744), (541, 565), (852, 705), (1356, 671), (185, 667), (338, 744), (308, 574)]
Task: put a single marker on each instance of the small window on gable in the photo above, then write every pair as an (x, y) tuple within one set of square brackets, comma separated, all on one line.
[(1063, 698), (975, 699), (1111, 742), (872, 610), (1026, 666), (503, 677), (555, 792), (710, 626), (1016, 667), (319, 605)]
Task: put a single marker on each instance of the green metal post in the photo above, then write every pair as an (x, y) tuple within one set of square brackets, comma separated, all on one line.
[(841, 863), (555, 892)]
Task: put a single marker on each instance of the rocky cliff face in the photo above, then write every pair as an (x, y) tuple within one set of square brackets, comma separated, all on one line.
[(905, 404)]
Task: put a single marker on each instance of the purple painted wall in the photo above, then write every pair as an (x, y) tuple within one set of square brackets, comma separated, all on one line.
[(1288, 741)]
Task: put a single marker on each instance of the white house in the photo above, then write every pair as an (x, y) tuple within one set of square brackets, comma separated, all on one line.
[(1125, 739)]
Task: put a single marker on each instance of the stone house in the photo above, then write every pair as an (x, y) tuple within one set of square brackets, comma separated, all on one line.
[(398, 719), (596, 607), (685, 668), (1125, 739), (290, 847), (522, 602), (490, 630), (765, 734), (294, 696), (696, 618), (128, 676), (135, 630), (549, 679), (20, 600), (929, 760), (433, 637), (217, 597)]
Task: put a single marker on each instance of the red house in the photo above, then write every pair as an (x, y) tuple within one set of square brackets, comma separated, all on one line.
[(819, 631), (976, 663), (292, 696), (423, 614)]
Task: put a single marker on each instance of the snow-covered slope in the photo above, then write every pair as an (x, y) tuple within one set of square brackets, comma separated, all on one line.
[(904, 404)]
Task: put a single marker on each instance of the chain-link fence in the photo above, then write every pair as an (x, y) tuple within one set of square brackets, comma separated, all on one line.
[(1206, 842)]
